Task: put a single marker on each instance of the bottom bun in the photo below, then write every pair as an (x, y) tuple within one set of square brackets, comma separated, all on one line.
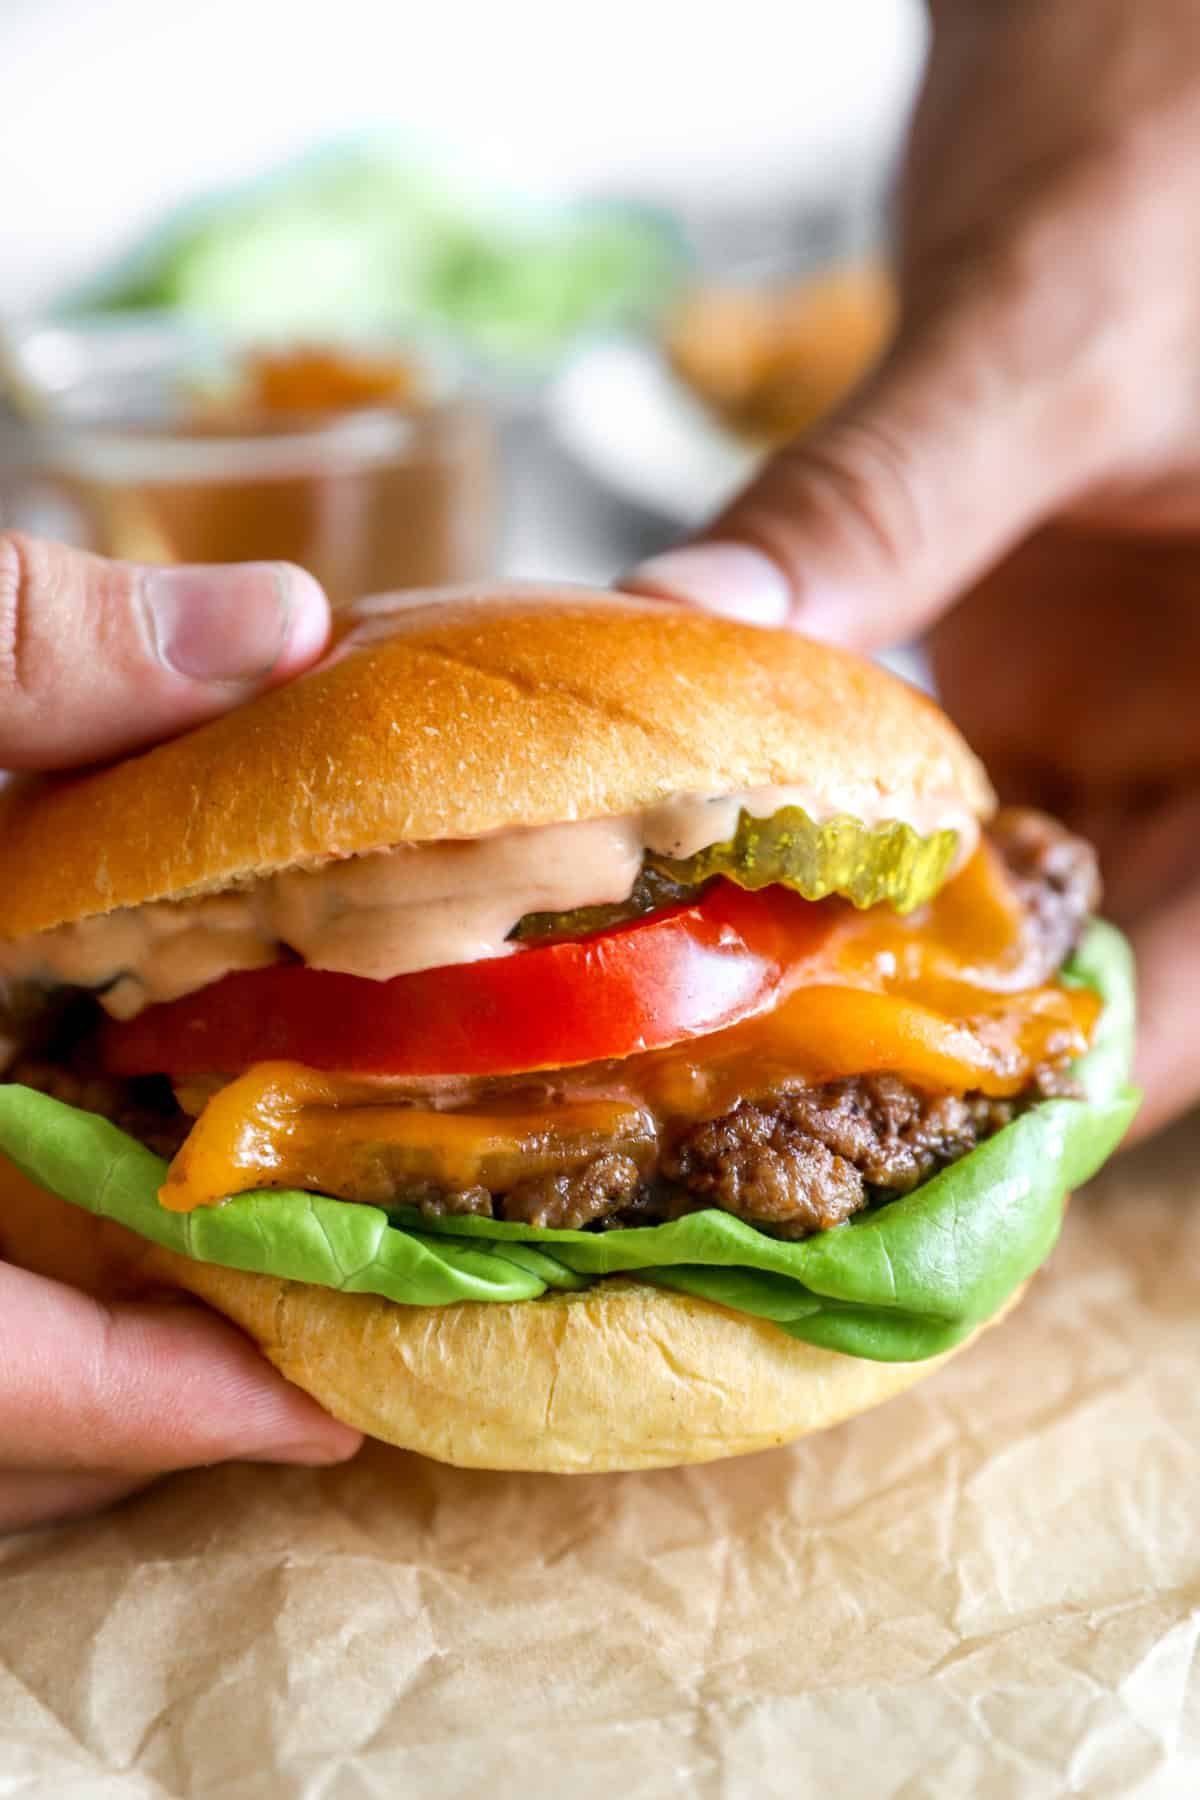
[(622, 1376)]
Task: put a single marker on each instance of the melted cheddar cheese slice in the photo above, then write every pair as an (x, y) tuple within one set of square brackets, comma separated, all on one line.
[(940, 997)]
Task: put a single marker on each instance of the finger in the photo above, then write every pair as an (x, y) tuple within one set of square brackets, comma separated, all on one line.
[(864, 532), (98, 658), (137, 1389), (35, 1499), (1168, 1063)]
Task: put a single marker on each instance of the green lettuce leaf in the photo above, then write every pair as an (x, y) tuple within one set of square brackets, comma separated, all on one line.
[(901, 1282)]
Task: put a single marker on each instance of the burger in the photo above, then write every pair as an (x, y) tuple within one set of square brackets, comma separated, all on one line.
[(566, 1032)]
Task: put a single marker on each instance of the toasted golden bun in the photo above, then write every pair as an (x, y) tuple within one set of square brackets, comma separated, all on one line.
[(451, 715), (621, 1376)]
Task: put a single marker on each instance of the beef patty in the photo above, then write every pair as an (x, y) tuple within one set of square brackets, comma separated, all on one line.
[(792, 1161)]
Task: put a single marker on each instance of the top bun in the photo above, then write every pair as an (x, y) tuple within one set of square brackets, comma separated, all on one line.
[(446, 715)]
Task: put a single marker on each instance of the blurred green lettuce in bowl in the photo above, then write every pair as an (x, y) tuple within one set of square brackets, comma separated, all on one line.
[(371, 240)]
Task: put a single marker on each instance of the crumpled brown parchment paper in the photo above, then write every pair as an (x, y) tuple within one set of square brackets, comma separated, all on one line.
[(990, 1587)]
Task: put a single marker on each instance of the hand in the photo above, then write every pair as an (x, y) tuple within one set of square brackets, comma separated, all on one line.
[(1038, 417), (96, 659), (1076, 667)]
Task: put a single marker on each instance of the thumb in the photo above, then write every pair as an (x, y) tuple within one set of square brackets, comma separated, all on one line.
[(136, 1389), (98, 658), (865, 531)]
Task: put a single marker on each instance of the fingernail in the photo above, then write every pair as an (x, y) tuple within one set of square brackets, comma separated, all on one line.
[(339, 1446), (237, 623), (732, 579)]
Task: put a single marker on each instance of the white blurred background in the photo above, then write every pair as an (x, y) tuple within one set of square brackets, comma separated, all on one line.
[(752, 125), (112, 110)]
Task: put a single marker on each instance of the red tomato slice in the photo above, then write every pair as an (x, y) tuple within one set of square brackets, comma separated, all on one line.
[(676, 975)]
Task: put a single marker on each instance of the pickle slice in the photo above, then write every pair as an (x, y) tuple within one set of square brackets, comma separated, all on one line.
[(652, 891), (869, 865)]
